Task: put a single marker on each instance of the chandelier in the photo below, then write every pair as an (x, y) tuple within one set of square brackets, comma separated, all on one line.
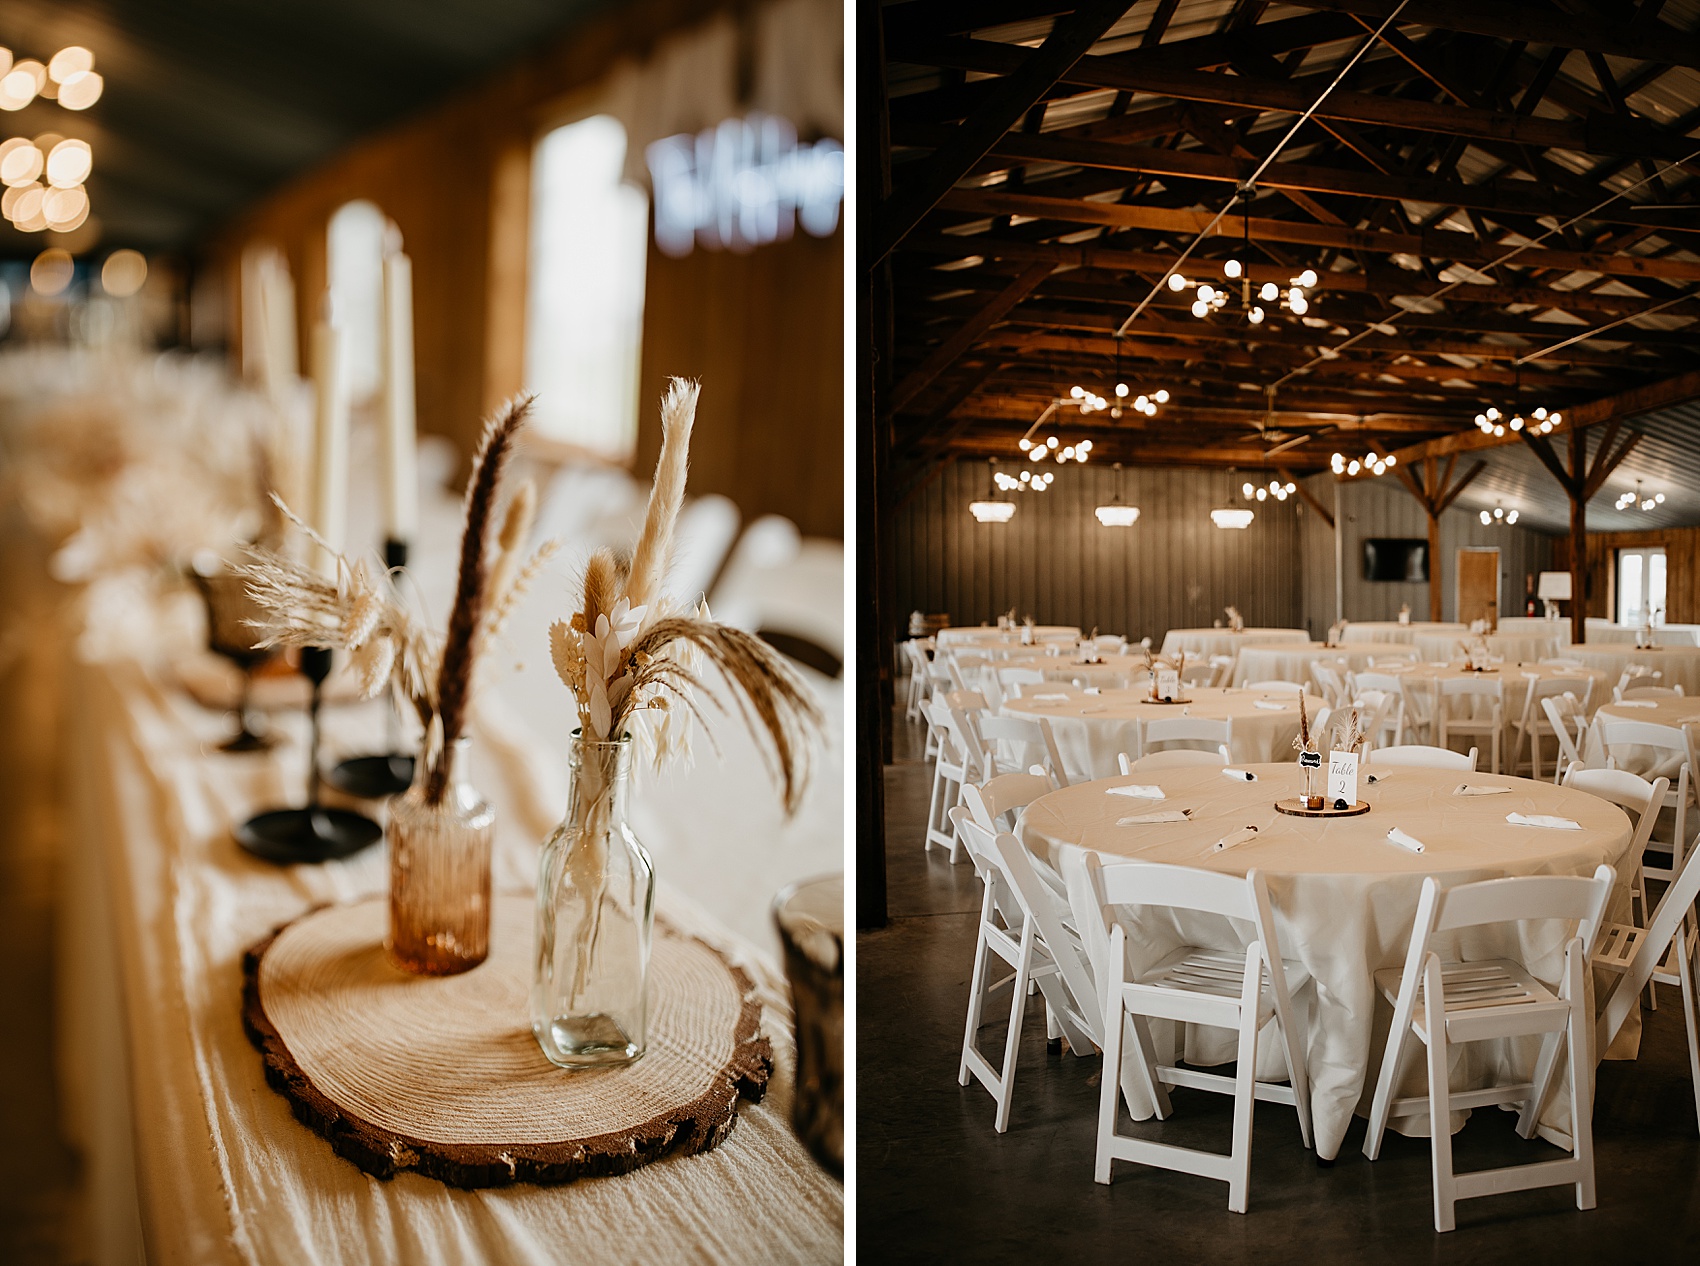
[(1280, 491), (1373, 462), (1233, 515), (1634, 500), (991, 510), (1209, 300), (1540, 422), (68, 77), (1500, 515)]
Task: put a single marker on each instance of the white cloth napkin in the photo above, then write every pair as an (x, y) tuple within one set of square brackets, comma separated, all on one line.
[(1094, 708), (1543, 819), (1464, 789), (1636, 703), (1162, 815), (1239, 775), (1047, 697), (1372, 779), (1092, 690), (1139, 791), (1270, 705), (1245, 835), (1396, 836)]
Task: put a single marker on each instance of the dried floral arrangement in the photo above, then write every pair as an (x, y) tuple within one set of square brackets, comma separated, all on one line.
[(361, 612), (1346, 732), (1303, 742), (628, 652)]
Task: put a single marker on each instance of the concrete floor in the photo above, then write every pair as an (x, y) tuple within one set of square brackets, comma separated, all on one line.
[(937, 1183)]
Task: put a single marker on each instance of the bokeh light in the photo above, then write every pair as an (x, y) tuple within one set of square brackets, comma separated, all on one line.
[(80, 91), (52, 271), (123, 273), (69, 163)]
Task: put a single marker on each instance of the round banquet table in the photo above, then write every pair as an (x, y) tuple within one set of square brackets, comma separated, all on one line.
[(1091, 730), (1680, 665), (1225, 641), (1344, 899), (1633, 757), (1440, 647), (1663, 635), (1114, 672), (1286, 662), (991, 637), (1393, 631), (1424, 679)]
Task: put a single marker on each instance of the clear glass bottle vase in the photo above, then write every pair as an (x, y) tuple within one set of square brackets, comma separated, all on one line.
[(440, 874), (595, 915)]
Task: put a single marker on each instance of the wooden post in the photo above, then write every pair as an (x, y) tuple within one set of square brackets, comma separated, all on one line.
[(1435, 490), (1436, 594), (1578, 571)]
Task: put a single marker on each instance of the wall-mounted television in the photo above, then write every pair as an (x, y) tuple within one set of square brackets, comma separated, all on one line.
[(1393, 558)]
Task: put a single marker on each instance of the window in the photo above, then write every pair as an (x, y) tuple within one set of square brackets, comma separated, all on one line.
[(584, 306), (355, 272), (1641, 586)]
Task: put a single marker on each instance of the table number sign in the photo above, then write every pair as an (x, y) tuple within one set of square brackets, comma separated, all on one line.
[(1342, 778), (1168, 684)]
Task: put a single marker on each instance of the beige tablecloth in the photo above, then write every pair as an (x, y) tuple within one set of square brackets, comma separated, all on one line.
[(1344, 898), (188, 1150), (1638, 759), (1091, 730), (1440, 647), (1421, 681), (1114, 672), (1393, 631), (1679, 665), (1225, 642), (1285, 662), (988, 638)]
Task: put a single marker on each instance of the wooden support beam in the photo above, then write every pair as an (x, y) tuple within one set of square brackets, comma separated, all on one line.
[(1429, 244), (1308, 497), (965, 335), (1039, 71)]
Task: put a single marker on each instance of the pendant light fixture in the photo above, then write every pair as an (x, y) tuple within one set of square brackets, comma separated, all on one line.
[(1499, 514), (1209, 300), (1635, 500), (1233, 515), (992, 510), (1116, 514)]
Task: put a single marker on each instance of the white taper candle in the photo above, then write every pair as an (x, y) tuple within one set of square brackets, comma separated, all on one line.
[(401, 490)]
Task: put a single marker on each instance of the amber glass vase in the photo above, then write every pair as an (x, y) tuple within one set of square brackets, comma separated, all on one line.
[(595, 917), (440, 874)]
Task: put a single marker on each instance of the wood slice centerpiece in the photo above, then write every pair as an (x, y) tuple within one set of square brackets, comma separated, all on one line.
[(442, 1075), (1294, 806), (1167, 703)]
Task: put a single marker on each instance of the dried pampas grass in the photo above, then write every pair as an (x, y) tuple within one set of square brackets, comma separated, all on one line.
[(625, 653)]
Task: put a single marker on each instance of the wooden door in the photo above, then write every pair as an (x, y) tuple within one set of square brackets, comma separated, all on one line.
[(1478, 586)]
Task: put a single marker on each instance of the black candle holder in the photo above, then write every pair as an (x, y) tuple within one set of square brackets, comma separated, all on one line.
[(313, 833), (388, 773)]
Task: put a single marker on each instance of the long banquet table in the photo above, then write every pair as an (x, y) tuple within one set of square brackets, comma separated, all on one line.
[(1344, 900), (1091, 730), (190, 1154)]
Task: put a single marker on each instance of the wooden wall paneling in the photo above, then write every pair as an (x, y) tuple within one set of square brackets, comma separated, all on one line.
[(1682, 569)]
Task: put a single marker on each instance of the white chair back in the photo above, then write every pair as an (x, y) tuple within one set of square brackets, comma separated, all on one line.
[(1647, 692), (1422, 756), (1186, 730), (1328, 681), (1276, 687), (1177, 759), (993, 804), (1031, 733), (1673, 915), (1568, 723)]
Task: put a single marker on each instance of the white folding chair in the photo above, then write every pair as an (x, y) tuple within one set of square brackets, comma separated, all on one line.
[(1569, 725), (960, 760), (1166, 730), (1026, 734), (1636, 672), (1016, 680), (915, 656), (1193, 985), (1421, 756), (1446, 1003), (1206, 673), (1328, 682), (1108, 644), (994, 803), (1358, 684), (1670, 757), (1023, 923), (1642, 956), (1276, 687), (1532, 726), (1646, 692), (1457, 711)]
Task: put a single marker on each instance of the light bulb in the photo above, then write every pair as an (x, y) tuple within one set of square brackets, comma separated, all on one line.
[(1492, 414), (1141, 403), (1555, 418), (1512, 517), (1024, 444), (1280, 494), (1307, 278), (1270, 292), (1231, 269), (1498, 430), (1481, 418), (1077, 392), (1051, 442), (1206, 293), (1247, 490), (1516, 424), (1162, 396), (1068, 452), (1393, 459), (1177, 282), (1352, 467), (1263, 494), (1541, 414), (1256, 316), (1084, 446), (1026, 476), (1199, 307), (1486, 518), (1659, 498), (1298, 305), (1121, 391), (1037, 453), (1498, 512)]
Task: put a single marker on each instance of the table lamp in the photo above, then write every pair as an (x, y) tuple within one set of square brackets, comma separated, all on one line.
[(1554, 588)]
